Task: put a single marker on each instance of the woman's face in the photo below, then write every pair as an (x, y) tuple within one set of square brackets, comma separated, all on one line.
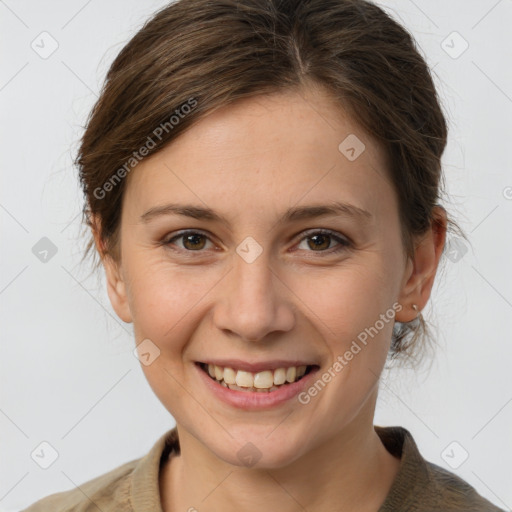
[(263, 288)]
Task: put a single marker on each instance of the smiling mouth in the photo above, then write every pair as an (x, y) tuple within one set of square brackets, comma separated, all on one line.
[(261, 382)]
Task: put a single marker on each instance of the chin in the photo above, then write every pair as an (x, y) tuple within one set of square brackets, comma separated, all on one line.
[(250, 457), (254, 448)]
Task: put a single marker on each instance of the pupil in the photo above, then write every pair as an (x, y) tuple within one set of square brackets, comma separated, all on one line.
[(318, 245), (194, 237)]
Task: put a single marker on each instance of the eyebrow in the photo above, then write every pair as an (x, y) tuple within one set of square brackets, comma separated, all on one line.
[(291, 215)]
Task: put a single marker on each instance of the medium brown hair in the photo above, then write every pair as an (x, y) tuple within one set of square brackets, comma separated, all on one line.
[(210, 53)]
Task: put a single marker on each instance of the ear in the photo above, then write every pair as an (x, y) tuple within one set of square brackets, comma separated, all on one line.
[(422, 268), (116, 286)]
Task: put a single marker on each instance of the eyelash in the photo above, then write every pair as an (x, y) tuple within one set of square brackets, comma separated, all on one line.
[(343, 242)]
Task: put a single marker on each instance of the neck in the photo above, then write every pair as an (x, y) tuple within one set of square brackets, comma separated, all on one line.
[(352, 471)]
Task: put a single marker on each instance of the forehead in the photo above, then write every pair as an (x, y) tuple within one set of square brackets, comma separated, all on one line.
[(278, 148)]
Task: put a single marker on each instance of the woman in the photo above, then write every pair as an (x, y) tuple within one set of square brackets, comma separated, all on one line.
[(262, 183)]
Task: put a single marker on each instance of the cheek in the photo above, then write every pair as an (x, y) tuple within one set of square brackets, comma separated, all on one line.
[(165, 299), (347, 299), (166, 308)]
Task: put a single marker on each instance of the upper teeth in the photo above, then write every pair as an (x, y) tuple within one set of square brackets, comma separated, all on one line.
[(262, 380)]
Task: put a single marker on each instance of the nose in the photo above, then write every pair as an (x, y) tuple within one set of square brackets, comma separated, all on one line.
[(255, 302)]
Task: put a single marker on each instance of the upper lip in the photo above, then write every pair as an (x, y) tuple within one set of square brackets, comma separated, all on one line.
[(256, 367)]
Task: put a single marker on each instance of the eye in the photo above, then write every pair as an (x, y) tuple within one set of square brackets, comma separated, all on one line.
[(196, 241), (192, 241), (321, 241)]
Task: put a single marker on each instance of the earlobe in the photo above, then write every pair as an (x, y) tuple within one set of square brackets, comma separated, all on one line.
[(422, 269)]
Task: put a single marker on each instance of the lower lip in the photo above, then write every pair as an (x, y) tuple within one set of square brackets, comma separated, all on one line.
[(254, 400)]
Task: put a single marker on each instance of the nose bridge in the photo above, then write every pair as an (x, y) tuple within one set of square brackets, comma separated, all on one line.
[(254, 280), (254, 303)]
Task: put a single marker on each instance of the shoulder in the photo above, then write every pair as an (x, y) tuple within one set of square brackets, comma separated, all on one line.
[(453, 493), (110, 491), (421, 485), (133, 485)]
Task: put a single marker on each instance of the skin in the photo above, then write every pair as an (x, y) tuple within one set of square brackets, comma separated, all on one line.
[(250, 161)]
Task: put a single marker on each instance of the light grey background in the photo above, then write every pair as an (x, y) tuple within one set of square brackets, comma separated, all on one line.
[(69, 376)]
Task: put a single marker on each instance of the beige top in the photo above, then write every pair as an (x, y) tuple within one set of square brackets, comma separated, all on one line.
[(134, 486)]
